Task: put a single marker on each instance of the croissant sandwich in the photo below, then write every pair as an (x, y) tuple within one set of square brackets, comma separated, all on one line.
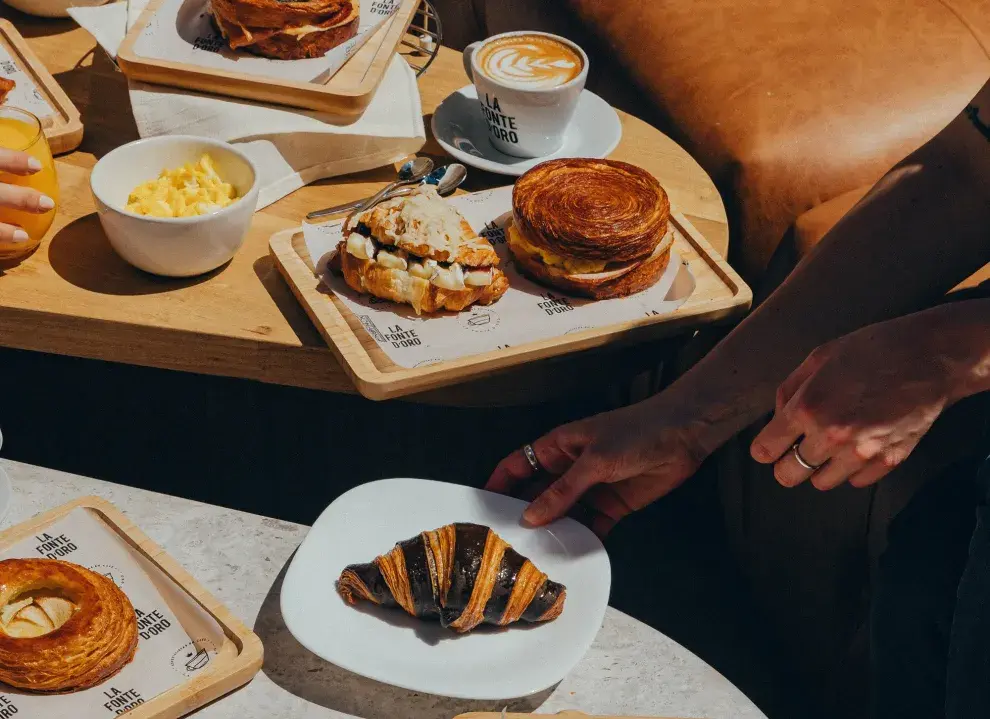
[(286, 30), (462, 574), (593, 228), (420, 251), (62, 627)]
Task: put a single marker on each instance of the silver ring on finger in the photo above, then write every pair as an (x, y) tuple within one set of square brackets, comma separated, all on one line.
[(531, 458), (796, 451)]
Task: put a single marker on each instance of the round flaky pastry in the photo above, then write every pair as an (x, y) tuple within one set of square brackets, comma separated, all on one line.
[(62, 627), (589, 209)]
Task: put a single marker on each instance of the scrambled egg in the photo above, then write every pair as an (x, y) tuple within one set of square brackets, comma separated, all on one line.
[(573, 266), (193, 189)]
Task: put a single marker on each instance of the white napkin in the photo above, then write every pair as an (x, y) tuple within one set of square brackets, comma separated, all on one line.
[(291, 147)]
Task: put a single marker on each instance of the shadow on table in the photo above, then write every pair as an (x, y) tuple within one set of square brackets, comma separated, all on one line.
[(281, 294), (81, 254), (35, 26), (94, 88), (305, 675)]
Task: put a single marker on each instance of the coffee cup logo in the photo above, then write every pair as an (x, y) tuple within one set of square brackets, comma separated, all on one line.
[(502, 126)]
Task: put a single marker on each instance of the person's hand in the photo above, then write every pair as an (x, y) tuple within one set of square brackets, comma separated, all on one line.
[(16, 197), (614, 464), (858, 406)]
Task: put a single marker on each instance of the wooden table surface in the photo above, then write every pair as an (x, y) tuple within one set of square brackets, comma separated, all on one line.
[(75, 297)]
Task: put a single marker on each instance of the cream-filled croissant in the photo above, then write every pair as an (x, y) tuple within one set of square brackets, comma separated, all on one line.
[(420, 251), (462, 574)]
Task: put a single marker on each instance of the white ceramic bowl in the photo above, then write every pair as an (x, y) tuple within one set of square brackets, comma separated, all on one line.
[(181, 246), (51, 8)]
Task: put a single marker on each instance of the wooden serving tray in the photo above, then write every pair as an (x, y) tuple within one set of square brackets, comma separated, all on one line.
[(236, 661), (720, 294), (63, 127), (346, 94)]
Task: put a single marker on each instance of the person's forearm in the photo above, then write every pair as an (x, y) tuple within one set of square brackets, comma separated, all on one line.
[(961, 332), (920, 231)]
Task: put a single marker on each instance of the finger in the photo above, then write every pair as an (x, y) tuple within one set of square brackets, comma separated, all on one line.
[(25, 199), (18, 163), (516, 468), (870, 473), (882, 463), (777, 437), (607, 501), (602, 525), (814, 449), (564, 493), (533, 487), (12, 233), (609, 508), (840, 468), (789, 387), (508, 473)]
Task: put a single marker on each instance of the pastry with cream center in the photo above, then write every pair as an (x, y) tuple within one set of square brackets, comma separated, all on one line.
[(63, 627), (593, 228), (420, 251), (286, 29)]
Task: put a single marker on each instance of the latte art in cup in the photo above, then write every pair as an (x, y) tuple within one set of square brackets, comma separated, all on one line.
[(528, 84), (529, 61)]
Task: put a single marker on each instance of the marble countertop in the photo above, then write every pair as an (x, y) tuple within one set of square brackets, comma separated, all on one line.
[(630, 670)]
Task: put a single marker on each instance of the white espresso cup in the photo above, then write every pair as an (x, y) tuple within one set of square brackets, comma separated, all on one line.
[(528, 84)]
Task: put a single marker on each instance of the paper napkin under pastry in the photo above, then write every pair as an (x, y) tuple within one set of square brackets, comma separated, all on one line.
[(291, 147)]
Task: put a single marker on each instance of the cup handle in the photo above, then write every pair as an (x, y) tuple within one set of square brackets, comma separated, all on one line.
[(467, 56)]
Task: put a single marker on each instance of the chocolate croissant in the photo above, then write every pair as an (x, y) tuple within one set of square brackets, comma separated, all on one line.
[(462, 574)]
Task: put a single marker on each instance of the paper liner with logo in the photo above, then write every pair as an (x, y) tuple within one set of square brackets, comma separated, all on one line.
[(177, 639), (22, 91), (527, 312)]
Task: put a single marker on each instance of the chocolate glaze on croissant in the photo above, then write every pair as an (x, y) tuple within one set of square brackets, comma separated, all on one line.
[(591, 209), (62, 627), (462, 574)]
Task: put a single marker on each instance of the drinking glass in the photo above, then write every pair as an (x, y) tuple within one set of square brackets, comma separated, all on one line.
[(20, 130)]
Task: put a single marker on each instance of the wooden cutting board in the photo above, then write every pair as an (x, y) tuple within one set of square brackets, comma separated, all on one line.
[(347, 94), (46, 99)]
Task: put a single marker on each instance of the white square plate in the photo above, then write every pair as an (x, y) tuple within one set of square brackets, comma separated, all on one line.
[(392, 647)]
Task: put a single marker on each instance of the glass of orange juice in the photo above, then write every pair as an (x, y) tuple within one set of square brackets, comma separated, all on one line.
[(20, 130)]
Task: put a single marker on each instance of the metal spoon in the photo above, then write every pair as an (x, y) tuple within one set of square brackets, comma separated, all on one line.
[(445, 186), (411, 172), (456, 171), (450, 177)]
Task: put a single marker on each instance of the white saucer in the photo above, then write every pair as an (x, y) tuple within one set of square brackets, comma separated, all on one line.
[(461, 130)]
